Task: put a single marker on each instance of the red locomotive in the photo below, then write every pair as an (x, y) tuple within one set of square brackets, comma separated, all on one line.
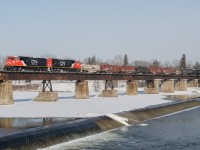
[(22, 63)]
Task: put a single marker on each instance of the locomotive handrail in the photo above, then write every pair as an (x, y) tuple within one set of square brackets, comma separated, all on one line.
[(10, 75)]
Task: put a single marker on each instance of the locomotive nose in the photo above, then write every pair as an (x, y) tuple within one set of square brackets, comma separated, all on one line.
[(77, 65)]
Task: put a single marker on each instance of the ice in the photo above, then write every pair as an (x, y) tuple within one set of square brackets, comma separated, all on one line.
[(67, 106)]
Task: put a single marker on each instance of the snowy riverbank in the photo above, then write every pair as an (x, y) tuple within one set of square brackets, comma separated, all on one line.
[(67, 106)]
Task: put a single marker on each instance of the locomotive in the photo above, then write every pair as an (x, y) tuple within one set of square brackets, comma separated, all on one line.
[(23, 63)]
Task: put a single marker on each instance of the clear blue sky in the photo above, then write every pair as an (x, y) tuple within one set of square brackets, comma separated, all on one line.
[(144, 29)]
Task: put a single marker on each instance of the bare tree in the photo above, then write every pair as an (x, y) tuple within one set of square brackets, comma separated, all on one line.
[(117, 60), (96, 86), (93, 60), (140, 63), (2, 62), (167, 64), (48, 56), (189, 64), (176, 64), (155, 63)]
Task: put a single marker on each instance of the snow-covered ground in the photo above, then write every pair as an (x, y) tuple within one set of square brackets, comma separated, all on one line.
[(67, 106)]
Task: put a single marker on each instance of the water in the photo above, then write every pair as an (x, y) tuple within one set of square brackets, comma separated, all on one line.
[(177, 131)]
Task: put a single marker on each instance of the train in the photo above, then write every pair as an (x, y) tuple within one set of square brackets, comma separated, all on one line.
[(106, 68), (25, 63)]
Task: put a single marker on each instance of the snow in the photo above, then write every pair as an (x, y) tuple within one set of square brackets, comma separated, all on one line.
[(67, 106)]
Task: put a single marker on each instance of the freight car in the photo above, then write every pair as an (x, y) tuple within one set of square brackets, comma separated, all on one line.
[(189, 71), (22, 63), (106, 68), (116, 69), (87, 68)]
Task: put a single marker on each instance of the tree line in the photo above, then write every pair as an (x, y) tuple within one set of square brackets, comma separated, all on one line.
[(122, 60)]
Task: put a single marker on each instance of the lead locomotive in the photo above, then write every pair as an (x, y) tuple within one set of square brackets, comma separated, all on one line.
[(22, 63)]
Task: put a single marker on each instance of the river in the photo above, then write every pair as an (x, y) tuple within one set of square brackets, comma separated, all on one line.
[(172, 132)]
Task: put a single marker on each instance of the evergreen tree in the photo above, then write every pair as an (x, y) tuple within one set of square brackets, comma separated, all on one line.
[(183, 62), (197, 65), (89, 61), (125, 60), (155, 63), (93, 60)]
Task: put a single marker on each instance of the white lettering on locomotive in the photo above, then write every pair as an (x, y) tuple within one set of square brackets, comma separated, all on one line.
[(62, 63), (34, 62)]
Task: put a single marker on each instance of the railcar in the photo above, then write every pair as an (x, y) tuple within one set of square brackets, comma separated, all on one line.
[(189, 71), (88, 68), (117, 69)]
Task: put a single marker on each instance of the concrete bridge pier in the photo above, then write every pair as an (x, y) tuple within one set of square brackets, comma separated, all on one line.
[(151, 87), (167, 86), (199, 82), (109, 90), (192, 83), (132, 87), (181, 85), (6, 92), (47, 96), (81, 90)]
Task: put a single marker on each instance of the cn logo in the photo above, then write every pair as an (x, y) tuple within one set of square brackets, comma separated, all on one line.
[(34, 62), (62, 63)]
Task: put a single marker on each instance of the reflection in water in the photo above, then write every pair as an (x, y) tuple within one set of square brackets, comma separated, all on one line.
[(182, 97), (22, 123)]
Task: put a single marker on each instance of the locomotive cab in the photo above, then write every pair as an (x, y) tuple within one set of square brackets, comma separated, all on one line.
[(13, 63)]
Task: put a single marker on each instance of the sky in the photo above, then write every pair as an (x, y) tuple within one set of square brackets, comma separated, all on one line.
[(143, 29)]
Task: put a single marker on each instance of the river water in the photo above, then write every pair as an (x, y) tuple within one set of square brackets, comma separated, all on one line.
[(172, 132)]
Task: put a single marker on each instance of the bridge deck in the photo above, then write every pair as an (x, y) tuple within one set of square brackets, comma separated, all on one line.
[(85, 76)]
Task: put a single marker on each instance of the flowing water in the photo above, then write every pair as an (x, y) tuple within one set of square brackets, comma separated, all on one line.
[(172, 132)]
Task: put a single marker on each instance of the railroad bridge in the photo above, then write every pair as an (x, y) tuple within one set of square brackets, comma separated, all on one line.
[(169, 83)]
